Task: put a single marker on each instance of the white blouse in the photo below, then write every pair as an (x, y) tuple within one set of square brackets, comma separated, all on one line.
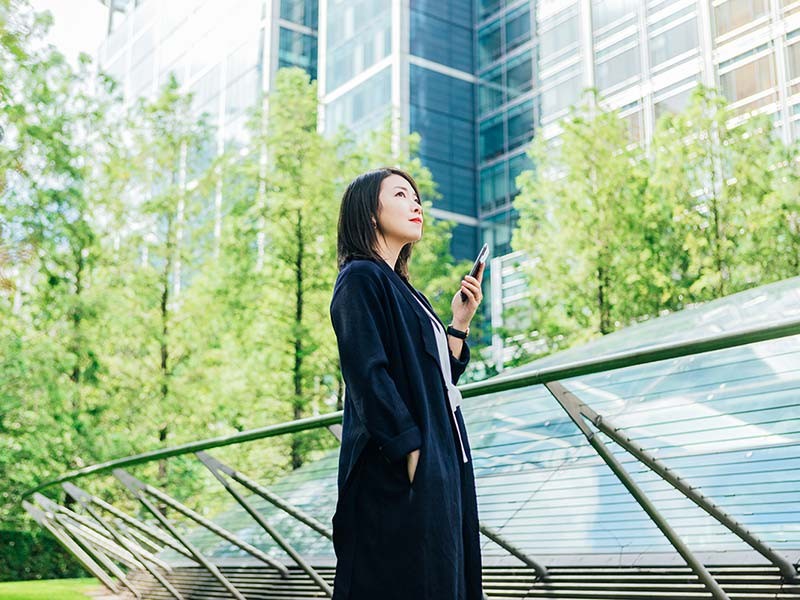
[(453, 393)]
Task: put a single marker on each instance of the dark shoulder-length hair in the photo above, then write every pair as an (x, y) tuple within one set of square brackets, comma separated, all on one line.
[(357, 238)]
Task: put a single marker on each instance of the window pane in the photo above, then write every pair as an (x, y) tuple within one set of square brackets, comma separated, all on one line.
[(493, 186), (736, 13), (616, 69), (555, 40), (490, 90), (561, 95), (517, 165), (489, 44), (793, 55), (749, 79), (518, 27), (520, 124), (487, 7), (673, 104), (519, 76), (605, 12), (491, 134), (673, 42)]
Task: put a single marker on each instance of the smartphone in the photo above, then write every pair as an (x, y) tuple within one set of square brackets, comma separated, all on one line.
[(482, 255)]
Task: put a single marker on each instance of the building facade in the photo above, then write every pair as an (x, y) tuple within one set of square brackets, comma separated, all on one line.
[(415, 62), (223, 52), (644, 57), (476, 78)]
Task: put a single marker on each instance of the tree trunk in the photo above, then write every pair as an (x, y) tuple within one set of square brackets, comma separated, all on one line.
[(164, 344), (297, 457)]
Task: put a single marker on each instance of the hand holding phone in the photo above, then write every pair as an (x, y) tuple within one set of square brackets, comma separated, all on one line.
[(480, 260)]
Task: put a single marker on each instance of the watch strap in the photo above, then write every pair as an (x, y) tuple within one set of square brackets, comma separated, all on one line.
[(457, 332)]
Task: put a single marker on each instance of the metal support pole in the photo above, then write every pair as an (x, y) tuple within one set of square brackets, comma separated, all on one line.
[(211, 462), (102, 524), (100, 545), (541, 571), (138, 526), (95, 543), (98, 550), (87, 561), (135, 487), (210, 525), (87, 529), (215, 467), (787, 569), (144, 557), (140, 538), (570, 404)]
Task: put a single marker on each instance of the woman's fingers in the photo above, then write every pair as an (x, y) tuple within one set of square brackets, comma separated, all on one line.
[(473, 287), (468, 291)]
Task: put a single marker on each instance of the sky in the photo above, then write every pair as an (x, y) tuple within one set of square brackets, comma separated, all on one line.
[(79, 25)]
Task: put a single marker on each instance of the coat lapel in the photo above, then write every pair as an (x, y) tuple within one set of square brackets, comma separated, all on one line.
[(405, 289)]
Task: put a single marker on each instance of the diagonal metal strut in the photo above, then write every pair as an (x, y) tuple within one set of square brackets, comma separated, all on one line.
[(572, 405), (136, 488), (217, 468)]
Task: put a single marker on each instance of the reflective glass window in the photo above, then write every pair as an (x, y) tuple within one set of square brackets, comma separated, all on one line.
[(557, 35), (617, 63), (489, 43), (518, 27), (676, 40), (606, 12), (494, 186), (737, 13), (487, 7), (793, 59), (561, 92), (748, 79), (491, 137), (491, 90), (302, 12), (519, 75), (520, 124)]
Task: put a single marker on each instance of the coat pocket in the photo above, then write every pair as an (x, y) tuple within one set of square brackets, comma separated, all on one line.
[(417, 472)]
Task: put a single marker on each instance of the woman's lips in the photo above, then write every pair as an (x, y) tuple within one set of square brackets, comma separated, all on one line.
[(416, 220)]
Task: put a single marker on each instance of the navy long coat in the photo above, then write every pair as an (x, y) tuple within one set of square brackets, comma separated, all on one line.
[(397, 539)]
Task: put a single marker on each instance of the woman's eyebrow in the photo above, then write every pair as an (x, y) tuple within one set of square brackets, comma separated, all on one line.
[(405, 189)]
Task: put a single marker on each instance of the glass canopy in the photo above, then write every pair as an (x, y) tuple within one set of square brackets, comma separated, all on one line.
[(726, 421)]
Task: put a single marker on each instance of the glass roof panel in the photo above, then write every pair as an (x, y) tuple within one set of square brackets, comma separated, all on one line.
[(727, 421)]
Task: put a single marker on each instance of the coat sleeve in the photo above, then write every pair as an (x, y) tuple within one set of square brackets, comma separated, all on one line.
[(458, 365), (359, 319)]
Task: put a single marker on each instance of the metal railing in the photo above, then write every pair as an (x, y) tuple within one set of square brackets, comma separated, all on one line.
[(134, 543)]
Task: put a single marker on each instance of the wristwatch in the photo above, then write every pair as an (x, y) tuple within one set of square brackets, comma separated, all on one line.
[(457, 332)]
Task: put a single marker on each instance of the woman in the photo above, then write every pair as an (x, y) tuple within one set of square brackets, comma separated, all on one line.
[(406, 519)]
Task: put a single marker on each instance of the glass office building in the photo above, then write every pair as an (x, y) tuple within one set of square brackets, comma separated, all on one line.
[(644, 56), (223, 52), (415, 62), (476, 78)]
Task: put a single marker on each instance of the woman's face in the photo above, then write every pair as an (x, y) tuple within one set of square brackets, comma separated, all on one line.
[(399, 211)]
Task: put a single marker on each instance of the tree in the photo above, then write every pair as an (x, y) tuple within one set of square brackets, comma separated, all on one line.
[(578, 224), (166, 141), (714, 173), (774, 224), (54, 117)]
